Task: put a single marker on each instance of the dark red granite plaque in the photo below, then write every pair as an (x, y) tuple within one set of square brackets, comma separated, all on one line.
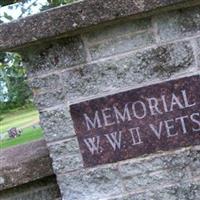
[(128, 124)]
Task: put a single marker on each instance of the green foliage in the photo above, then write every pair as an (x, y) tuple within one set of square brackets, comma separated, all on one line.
[(1, 118), (8, 2), (7, 16), (59, 2), (14, 91), (13, 78)]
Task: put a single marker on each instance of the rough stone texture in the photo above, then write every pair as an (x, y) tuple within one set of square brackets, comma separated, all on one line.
[(184, 191), (68, 147), (51, 82), (158, 162), (59, 54), (49, 99), (197, 41), (57, 124), (64, 20), (66, 156), (120, 45), (178, 24), (66, 164), (149, 173), (117, 29), (121, 38), (44, 189), (155, 63), (90, 184), (164, 169), (155, 179), (24, 163)]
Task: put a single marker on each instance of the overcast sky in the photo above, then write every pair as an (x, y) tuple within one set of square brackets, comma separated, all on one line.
[(16, 12)]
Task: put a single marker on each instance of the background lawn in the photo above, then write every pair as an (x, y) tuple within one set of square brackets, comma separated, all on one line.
[(25, 119)]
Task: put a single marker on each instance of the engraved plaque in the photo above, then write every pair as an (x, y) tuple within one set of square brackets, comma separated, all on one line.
[(140, 121)]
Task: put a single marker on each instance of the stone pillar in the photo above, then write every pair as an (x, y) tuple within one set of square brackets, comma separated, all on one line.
[(96, 48)]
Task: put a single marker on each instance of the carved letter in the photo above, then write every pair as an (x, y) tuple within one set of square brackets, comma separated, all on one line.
[(93, 144), (195, 121), (106, 116), (164, 103), (169, 127), (153, 106), (144, 110), (187, 104), (157, 132), (182, 119), (95, 123), (175, 101), (115, 139), (135, 136), (122, 116)]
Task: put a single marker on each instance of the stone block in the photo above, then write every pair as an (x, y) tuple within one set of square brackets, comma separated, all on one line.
[(195, 163), (165, 169), (118, 38), (73, 18), (179, 158), (42, 189), (178, 24), (25, 163), (59, 54), (66, 164), (50, 82), (121, 44), (49, 99), (145, 65), (56, 124), (155, 179), (117, 29), (90, 184), (184, 191), (49, 193), (68, 147), (66, 156), (197, 41)]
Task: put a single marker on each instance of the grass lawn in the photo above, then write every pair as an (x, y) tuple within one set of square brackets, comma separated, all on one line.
[(28, 134), (23, 119), (19, 118)]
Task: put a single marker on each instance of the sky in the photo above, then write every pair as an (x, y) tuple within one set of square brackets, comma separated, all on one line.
[(16, 11)]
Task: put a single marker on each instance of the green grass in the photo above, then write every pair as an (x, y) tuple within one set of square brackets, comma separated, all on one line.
[(23, 119), (20, 119), (28, 134)]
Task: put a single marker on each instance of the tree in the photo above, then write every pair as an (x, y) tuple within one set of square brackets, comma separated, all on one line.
[(14, 91), (13, 78)]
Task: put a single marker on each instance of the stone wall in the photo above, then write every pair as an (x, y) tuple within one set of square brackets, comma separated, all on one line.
[(26, 173), (45, 188), (105, 59), (119, 55)]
